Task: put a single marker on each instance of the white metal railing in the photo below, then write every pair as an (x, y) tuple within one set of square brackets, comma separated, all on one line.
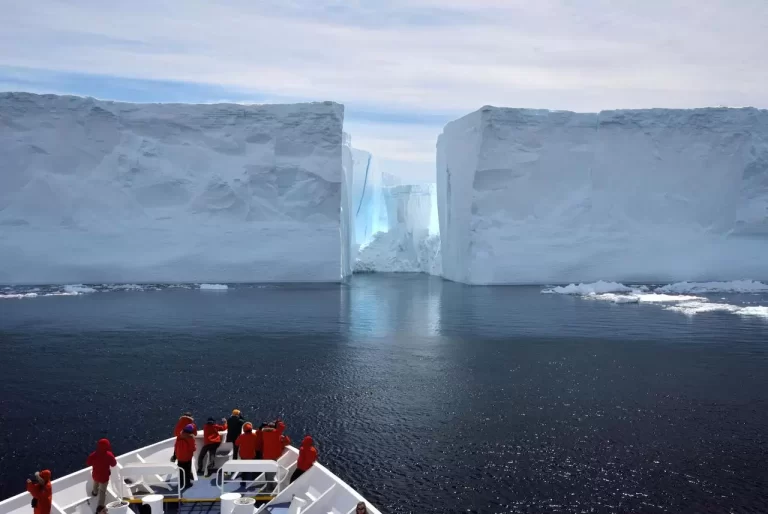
[(144, 470), (259, 467)]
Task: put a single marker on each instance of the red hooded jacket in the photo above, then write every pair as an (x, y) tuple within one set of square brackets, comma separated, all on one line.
[(273, 448), (211, 433), (101, 460), (307, 454), (248, 442), (42, 492), (183, 421), (185, 447)]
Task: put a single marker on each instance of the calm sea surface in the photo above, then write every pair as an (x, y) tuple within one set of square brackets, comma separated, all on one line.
[(426, 396)]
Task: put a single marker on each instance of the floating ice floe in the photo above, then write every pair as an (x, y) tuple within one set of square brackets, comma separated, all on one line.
[(214, 287), (684, 303), (734, 286), (598, 287), (78, 289), (17, 296)]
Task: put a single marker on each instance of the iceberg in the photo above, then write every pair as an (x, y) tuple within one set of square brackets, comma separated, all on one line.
[(409, 240), (105, 192), (659, 195)]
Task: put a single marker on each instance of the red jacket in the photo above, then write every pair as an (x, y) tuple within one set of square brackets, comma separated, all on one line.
[(185, 447), (44, 495), (285, 441), (211, 433), (101, 460), (307, 454), (273, 448), (183, 421), (248, 444)]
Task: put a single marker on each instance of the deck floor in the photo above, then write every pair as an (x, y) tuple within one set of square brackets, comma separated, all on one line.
[(212, 508), (206, 488)]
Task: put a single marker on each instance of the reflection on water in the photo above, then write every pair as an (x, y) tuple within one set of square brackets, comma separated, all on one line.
[(427, 396)]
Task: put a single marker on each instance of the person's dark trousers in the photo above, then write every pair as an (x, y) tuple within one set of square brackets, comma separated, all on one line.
[(187, 467), (296, 474), (208, 449), (246, 478), (235, 451)]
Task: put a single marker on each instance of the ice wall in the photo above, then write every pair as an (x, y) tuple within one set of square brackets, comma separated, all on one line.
[(349, 250), (94, 191), (409, 206), (531, 196), (409, 242)]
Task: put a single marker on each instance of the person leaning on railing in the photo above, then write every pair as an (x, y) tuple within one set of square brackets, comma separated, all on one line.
[(184, 450), (211, 443), (307, 457)]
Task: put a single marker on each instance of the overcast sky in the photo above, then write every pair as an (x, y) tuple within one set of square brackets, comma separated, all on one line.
[(403, 68)]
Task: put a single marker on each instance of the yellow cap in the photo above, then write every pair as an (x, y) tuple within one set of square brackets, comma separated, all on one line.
[(235, 412)]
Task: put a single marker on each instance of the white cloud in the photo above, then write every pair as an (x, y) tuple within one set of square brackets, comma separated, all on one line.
[(422, 56)]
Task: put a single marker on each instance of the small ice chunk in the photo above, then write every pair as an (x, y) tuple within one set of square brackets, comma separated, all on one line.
[(756, 310), (17, 296), (615, 298), (668, 298), (214, 287), (78, 289), (599, 287), (697, 307)]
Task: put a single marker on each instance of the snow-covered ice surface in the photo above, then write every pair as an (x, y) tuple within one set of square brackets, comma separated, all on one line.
[(95, 192), (686, 297), (397, 251), (661, 195)]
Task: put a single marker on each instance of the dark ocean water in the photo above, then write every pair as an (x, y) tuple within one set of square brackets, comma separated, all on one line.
[(426, 396)]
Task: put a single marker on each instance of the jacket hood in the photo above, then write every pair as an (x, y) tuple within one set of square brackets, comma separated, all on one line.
[(103, 445), (307, 442)]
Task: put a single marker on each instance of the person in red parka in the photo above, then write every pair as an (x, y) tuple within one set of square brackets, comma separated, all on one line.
[(272, 445), (211, 443), (185, 451), (42, 492), (184, 420), (270, 436), (101, 460), (307, 457), (248, 443)]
